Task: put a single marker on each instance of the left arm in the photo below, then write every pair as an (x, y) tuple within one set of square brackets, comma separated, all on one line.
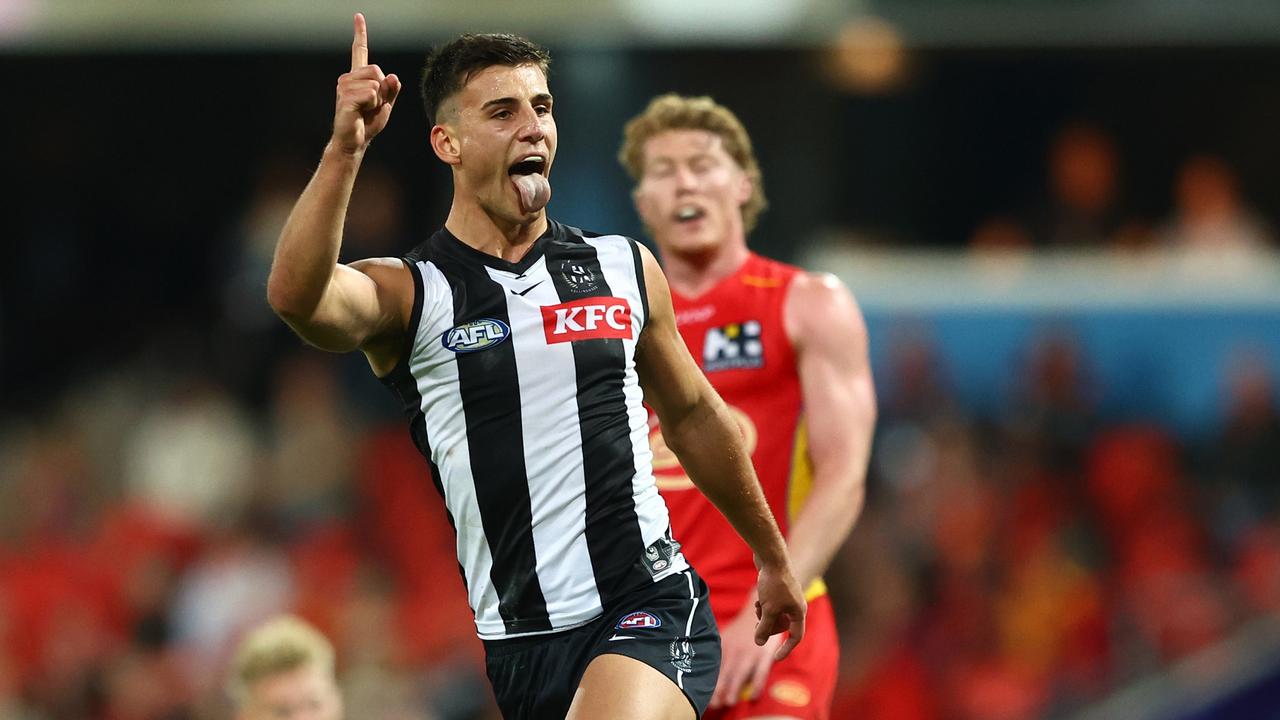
[(699, 429), (830, 338), (824, 326)]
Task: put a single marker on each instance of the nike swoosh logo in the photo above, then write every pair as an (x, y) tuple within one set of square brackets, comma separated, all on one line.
[(622, 637), (522, 292)]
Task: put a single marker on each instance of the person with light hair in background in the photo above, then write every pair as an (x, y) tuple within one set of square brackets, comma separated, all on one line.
[(787, 351), (284, 670)]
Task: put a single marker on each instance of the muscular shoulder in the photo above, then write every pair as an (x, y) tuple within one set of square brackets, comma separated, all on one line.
[(394, 285), (392, 277), (819, 306), (382, 267)]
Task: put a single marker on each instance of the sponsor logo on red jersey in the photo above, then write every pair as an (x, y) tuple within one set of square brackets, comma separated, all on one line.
[(736, 346), (587, 319)]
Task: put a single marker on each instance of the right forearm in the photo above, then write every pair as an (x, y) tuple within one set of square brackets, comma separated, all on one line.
[(307, 251), (710, 448)]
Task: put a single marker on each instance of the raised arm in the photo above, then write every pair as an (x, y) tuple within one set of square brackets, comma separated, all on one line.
[(830, 338), (698, 428), (364, 305)]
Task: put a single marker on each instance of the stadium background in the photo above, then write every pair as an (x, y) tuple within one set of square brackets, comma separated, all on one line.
[(1059, 218)]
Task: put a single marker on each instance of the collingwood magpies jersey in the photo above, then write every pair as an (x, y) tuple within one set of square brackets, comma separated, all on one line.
[(520, 386)]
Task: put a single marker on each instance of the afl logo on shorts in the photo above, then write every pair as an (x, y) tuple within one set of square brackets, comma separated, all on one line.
[(638, 621), (475, 335)]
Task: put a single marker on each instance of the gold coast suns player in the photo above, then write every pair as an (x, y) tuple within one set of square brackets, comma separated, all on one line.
[(787, 350)]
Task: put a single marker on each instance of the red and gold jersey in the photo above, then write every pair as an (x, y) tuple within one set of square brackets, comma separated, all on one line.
[(735, 332)]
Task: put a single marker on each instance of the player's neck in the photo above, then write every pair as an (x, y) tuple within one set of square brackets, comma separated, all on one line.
[(692, 274), (491, 235)]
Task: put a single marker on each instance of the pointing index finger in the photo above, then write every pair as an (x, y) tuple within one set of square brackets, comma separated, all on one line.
[(360, 45)]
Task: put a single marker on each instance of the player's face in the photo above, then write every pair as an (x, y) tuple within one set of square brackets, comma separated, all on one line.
[(304, 693), (691, 194), (504, 130)]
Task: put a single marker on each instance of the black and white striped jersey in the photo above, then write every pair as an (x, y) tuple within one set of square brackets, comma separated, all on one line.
[(520, 386)]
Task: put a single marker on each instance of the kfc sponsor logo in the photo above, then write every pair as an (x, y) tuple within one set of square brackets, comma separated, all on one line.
[(587, 319)]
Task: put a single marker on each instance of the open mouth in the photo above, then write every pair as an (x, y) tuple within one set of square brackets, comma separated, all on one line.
[(533, 165), (529, 180), (689, 213)]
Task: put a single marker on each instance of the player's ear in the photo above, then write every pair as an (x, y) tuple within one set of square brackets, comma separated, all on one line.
[(746, 186), (446, 145)]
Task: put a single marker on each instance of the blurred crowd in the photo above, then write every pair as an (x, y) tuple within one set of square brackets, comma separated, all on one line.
[(1085, 205), (1024, 564), (1015, 565)]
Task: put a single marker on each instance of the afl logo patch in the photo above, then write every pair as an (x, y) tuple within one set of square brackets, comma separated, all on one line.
[(475, 335), (638, 621)]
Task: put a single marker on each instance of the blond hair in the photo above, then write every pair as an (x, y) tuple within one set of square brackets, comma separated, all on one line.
[(677, 112), (279, 645)]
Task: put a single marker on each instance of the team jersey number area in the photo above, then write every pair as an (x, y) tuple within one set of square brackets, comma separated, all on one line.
[(587, 319)]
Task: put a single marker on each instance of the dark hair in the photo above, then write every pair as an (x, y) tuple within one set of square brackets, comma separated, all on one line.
[(448, 68)]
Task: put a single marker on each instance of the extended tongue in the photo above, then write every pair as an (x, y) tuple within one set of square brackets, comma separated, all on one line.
[(534, 191)]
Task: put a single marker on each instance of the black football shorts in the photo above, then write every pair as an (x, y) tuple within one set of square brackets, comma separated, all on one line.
[(667, 625)]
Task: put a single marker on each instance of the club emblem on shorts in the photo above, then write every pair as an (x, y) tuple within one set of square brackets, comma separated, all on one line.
[(654, 557), (578, 276), (638, 621), (735, 346), (682, 654), (475, 335)]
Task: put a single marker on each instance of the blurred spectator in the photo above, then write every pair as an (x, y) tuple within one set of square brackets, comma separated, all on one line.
[(1212, 230), (191, 456), (240, 579), (1240, 466), (1054, 404), (249, 338), (1000, 233), (284, 668), (310, 459), (1084, 207), (375, 216)]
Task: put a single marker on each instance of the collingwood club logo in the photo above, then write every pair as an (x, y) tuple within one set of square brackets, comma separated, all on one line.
[(682, 654), (578, 276)]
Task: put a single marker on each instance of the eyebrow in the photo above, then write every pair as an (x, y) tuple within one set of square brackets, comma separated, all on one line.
[(539, 98)]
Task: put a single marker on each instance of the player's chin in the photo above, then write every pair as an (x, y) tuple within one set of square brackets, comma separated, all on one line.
[(693, 239)]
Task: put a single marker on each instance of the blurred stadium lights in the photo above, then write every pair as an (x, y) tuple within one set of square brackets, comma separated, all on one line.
[(684, 21), (79, 25), (868, 56)]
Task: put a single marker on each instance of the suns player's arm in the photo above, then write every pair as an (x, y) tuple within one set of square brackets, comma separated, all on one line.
[(364, 305), (830, 338), (697, 426)]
